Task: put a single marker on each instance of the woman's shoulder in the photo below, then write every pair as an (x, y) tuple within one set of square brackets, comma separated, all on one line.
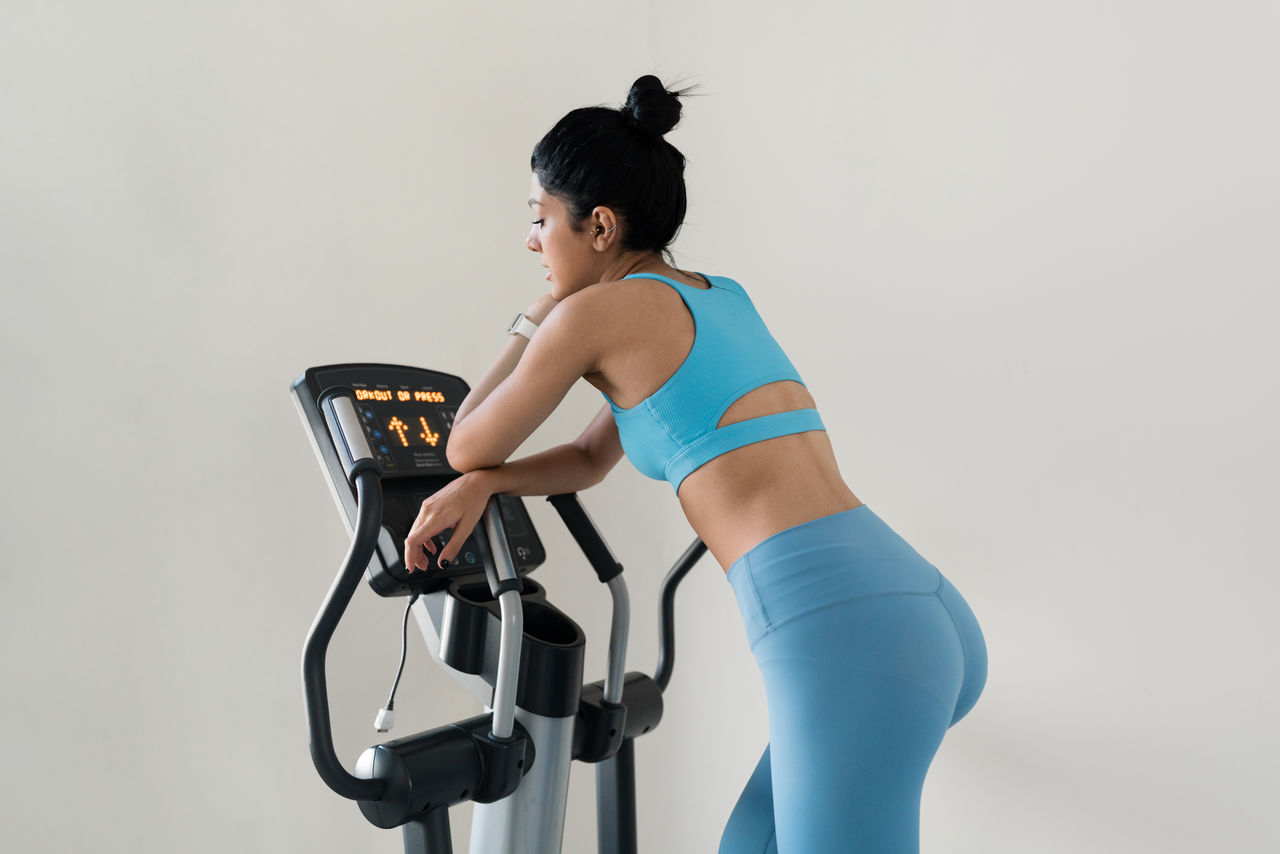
[(624, 300), (621, 294), (608, 304), (624, 311), (638, 285)]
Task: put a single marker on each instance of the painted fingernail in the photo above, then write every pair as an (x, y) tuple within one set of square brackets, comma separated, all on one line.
[(443, 563)]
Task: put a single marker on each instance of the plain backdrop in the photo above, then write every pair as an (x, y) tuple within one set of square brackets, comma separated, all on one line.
[(1025, 255)]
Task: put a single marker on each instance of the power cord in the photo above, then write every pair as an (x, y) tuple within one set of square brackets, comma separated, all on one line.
[(387, 715)]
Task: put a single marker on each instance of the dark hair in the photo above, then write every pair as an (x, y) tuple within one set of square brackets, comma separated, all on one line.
[(618, 158)]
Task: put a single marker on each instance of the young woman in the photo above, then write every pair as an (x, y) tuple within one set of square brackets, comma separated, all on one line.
[(868, 653)]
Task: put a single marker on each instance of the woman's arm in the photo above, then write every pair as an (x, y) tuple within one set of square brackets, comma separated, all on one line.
[(565, 468), (568, 345), (571, 467), (507, 359)]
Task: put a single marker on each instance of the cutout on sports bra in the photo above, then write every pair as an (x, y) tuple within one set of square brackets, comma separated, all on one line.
[(755, 404)]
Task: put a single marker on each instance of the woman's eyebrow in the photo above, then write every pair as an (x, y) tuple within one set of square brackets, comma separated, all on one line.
[(534, 202)]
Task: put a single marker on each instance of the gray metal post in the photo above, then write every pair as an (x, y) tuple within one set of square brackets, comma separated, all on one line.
[(531, 819), (616, 801), (429, 834)]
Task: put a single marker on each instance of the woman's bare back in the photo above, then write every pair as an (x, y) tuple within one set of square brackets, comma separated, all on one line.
[(742, 497)]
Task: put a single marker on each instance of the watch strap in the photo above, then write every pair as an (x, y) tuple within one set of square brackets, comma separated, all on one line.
[(522, 326)]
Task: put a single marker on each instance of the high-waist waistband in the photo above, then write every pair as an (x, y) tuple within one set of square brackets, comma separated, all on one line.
[(847, 555)]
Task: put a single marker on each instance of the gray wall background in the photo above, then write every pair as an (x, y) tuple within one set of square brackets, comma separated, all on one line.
[(1024, 254)]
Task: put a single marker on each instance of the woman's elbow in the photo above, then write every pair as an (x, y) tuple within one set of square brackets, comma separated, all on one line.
[(455, 453), (463, 458)]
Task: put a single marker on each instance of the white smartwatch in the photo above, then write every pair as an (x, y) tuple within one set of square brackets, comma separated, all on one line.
[(522, 326)]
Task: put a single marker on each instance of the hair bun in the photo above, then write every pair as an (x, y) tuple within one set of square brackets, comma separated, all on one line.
[(650, 107)]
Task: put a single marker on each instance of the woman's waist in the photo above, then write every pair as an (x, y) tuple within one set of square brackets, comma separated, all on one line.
[(735, 503)]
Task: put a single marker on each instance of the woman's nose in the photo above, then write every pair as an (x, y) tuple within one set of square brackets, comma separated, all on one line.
[(532, 242)]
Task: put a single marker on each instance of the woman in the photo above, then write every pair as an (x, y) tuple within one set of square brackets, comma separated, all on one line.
[(868, 654)]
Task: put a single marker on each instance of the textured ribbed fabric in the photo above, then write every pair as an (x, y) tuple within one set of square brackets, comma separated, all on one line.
[(672, 432)]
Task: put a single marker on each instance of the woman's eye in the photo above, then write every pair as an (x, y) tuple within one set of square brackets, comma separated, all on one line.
[(537, 222)]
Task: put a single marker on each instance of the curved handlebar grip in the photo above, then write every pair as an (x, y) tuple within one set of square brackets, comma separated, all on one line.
[(368, 525), (667, 623), (588, 537)]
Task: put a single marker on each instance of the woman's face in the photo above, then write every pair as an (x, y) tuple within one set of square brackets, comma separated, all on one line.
[(566, 253)]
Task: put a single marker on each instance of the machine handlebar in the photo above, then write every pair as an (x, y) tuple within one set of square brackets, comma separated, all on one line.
[(584, 531), (365, 540)]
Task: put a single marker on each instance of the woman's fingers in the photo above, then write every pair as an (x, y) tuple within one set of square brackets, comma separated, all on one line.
[(423, 536), (461, 530), (457, 507), (419, 540)]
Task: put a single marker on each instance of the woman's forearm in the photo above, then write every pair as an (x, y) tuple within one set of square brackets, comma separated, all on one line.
[(507, 359), (564, 468), (498, 371)]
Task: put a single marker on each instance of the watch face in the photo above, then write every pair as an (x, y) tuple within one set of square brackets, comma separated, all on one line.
[(514, 321)]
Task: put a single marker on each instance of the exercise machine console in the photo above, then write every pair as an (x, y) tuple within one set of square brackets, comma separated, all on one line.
[(380, 434)]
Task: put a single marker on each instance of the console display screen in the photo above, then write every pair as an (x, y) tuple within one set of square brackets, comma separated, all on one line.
[(406, 415), (401, 396), (420, 431), (407, 423), (407, 434)]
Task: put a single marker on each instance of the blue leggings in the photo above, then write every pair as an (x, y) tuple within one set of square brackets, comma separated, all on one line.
[(868, 655)]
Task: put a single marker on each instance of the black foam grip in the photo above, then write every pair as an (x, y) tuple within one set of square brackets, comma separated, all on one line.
[(507, 584), (589, 539)]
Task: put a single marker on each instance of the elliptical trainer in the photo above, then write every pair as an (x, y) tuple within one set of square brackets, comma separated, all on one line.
[(380, 433)]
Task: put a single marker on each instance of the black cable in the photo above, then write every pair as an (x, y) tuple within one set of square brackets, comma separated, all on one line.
[(404, 649)]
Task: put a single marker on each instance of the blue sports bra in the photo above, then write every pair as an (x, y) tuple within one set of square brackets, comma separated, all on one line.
[(673, 432)]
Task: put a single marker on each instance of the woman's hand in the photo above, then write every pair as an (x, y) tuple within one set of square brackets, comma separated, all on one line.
[(540, 308), (458, 506)]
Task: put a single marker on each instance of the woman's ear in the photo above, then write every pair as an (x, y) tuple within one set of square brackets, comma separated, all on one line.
[(604, 224)]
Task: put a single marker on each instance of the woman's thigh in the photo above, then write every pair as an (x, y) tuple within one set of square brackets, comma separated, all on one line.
[(750, 829)]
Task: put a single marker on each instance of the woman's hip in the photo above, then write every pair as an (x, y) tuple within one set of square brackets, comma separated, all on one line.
[(845, 592), (826, 561)]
